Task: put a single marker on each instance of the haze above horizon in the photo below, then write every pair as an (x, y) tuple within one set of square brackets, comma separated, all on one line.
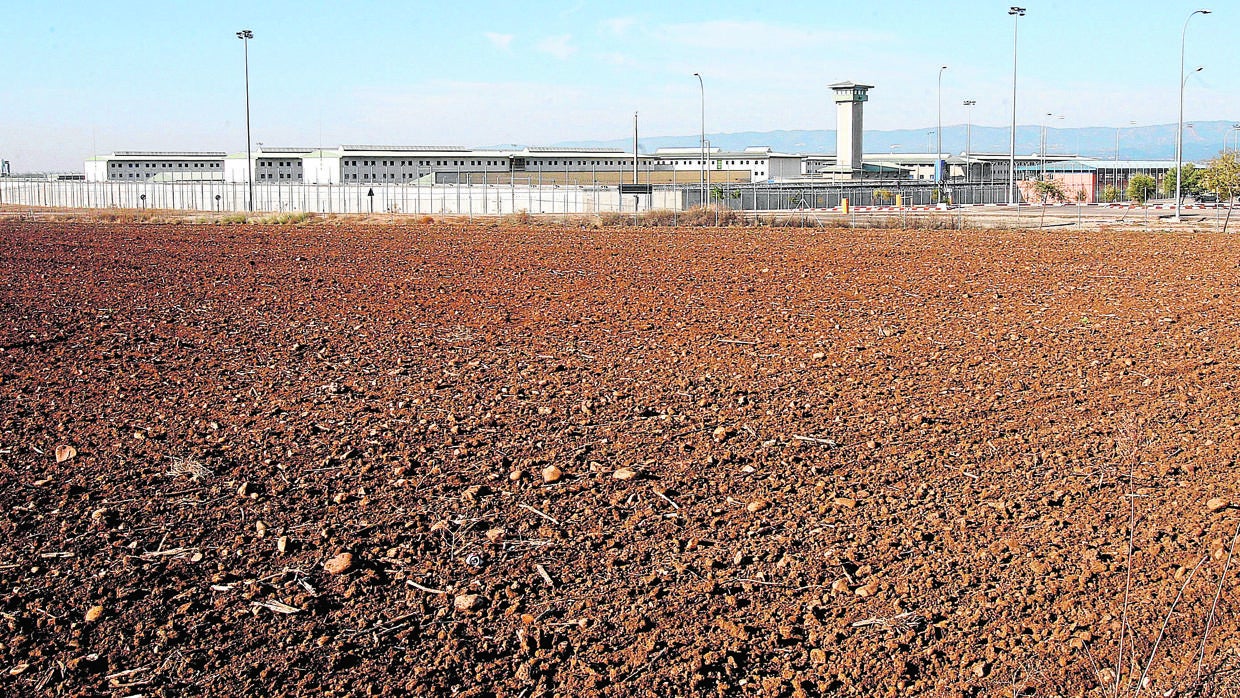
[(93, 77)]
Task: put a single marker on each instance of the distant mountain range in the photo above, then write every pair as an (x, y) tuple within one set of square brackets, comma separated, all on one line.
[(1202, 140)]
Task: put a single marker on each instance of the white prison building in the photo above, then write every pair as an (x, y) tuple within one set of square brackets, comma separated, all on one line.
[(142, 166)]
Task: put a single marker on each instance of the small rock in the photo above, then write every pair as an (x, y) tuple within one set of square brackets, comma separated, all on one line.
[(466, 603), (244, 490), (840, 586), (720, 434), (624, 473), (757, 505), (103, 517), (868, 589), (65, 452), (846, 502), (515, 474), (94, 614), (340, 564), (1218, 504), (818, 356), (551, 473), (981, 669), (282, 544), (496, 535), (260, 529)]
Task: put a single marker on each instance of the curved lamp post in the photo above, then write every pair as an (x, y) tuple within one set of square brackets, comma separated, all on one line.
[(1179, 131)]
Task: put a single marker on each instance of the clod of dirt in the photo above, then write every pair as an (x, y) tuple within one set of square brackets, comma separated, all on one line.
[(103, 517), (868, 589), (551, 473), (94, 614), (496, 535), (65, 452), (339, 564), (720, 434), (282, 544), (757, 505), (260, 529), (467, 603), (624, 473), (1218, 504)]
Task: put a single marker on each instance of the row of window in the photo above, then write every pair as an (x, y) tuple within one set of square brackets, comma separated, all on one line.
[(162, 165), (388, 175), (264, 175), (423, 163)]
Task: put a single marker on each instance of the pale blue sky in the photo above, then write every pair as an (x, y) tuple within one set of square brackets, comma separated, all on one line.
[(168, 75)]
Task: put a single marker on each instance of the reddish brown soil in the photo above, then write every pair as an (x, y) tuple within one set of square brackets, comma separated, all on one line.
[(863, 463)]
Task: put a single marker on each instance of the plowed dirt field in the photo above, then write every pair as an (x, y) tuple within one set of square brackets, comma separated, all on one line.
[(504, 461)]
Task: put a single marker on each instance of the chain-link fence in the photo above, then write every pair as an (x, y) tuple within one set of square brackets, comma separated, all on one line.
[(795, 196), (481, 199)]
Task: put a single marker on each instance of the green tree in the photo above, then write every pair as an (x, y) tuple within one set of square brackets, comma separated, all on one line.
[(1223, 178), (1049, 190), (720, 193), (1140, 187), (1110, 194), (1192, 181)]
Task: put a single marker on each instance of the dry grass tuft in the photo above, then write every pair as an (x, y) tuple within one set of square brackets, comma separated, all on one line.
[(190, 466)]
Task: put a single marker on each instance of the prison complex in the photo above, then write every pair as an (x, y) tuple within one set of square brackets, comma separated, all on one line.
[(370, 165)]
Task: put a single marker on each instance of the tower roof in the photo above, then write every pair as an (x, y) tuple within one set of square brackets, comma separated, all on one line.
[(849, 85)]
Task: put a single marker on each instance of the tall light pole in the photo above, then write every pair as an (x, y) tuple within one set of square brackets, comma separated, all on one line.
[(938, 153), (1016, 13), (1231, 132), (245, 35), (1179, 131), (968, 135), (1117, 129), (705, 170), (1042, 144)]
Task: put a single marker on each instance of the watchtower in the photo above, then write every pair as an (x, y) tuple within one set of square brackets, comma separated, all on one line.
[(850, 98)]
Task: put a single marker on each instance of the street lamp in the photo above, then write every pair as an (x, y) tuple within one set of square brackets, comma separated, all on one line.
[(705, 170), (1235, 144), (1179, 131), (245, 35), (938, 153), (1117, 129), (968, 136), (1016, 13), (1042, 144)]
